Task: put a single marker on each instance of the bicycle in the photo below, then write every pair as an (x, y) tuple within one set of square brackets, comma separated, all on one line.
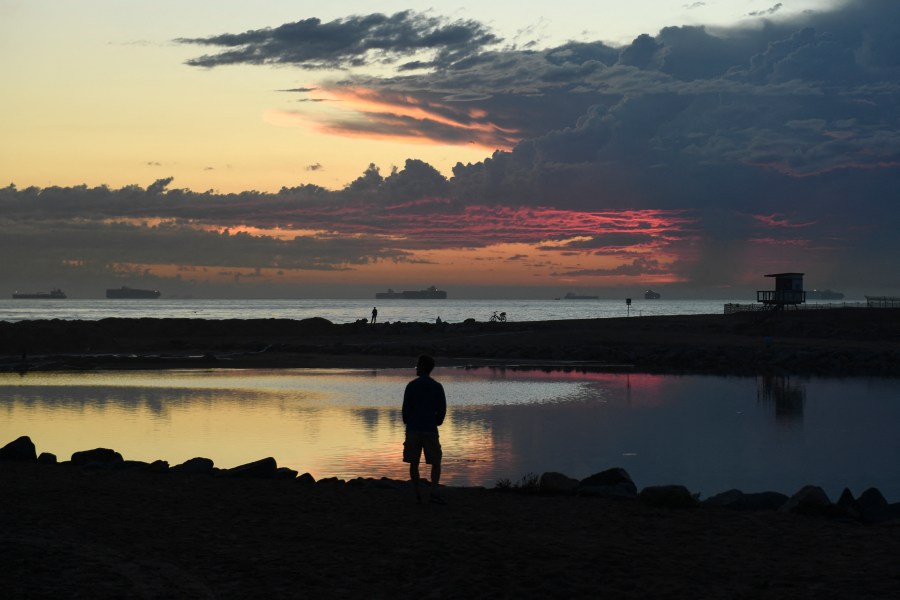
[(501, 317)]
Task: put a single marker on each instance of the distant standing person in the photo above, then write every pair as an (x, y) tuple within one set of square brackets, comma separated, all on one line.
[(424, 408), (374, 314)]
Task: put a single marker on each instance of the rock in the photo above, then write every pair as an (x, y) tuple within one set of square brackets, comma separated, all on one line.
[(332, 482), (552, 482), (264, 468), (894, 511), (612, 482), (668, 496), (383, 483), (135, 465), (285, 473), (97, 457), (21, 450), (47, 458), (810, 500), (738, 500), (159, 466), (386, 483), (727, 499), (306, 479), (849, 504), (198, 465), (873, 508)]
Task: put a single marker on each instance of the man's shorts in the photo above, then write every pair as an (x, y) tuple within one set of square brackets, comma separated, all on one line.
[(416, 442)]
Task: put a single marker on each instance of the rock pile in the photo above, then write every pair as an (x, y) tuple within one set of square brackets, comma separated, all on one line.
[(870, 507)]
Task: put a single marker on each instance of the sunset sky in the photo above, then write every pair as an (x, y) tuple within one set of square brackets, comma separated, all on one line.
[(295, 149)]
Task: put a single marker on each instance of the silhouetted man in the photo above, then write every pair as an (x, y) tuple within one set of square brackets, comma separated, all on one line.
[(374, 314), (424, 408)]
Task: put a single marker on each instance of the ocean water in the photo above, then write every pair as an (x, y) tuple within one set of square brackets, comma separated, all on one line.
[(348, 311)]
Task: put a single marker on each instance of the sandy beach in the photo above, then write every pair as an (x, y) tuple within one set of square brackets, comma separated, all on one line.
[(835, 342), (69, 531)]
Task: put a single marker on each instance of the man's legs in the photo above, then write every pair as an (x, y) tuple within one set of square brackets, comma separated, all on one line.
[(435, 476), (414, 476), (435, 481)]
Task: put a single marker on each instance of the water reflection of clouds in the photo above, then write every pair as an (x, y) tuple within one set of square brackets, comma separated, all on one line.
[(158, 401), (709, 433)]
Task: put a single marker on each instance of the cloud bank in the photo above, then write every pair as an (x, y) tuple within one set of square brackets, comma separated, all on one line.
[(696, 158)]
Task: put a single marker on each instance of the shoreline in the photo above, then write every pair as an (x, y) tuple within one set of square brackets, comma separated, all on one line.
[(835, 342), (123, 532)]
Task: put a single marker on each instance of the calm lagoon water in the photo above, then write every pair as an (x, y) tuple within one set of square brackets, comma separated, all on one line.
[(706, 432)]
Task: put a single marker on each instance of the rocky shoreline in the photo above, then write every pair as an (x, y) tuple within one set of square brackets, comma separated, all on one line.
[(100, 526), (869, 507), (833, 342)]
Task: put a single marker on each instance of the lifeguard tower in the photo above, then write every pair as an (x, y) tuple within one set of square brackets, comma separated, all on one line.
[(788, 292)]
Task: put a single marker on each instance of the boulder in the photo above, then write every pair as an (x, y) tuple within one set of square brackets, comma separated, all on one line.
[(264, 468), (849, 504), (159, 466), (198, 465), (331, 482), (738, 500), (552, 482), (285, 473), (306, 479), (873, 508), (810, 500), (135, 465), (612, 482), (47, 458), (728, 499), (97, 457), (21, 450), (668, 496), (383, 483)]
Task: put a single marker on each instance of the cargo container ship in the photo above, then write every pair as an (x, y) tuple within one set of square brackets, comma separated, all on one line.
[(54, 294)]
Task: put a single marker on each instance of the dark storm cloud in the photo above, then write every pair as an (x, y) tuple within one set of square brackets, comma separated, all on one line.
[(351, 42), (778, 143)]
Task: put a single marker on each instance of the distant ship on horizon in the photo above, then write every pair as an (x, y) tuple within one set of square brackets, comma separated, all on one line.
[(651, 295), (431, 293), (130, 293), (54, 294), (824, 295), (573, 296)]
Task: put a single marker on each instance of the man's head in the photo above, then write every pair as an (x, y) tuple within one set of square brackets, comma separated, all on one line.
[(424, 365)]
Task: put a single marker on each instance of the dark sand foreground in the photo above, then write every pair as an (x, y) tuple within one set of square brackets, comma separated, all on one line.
[(67, 532)]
